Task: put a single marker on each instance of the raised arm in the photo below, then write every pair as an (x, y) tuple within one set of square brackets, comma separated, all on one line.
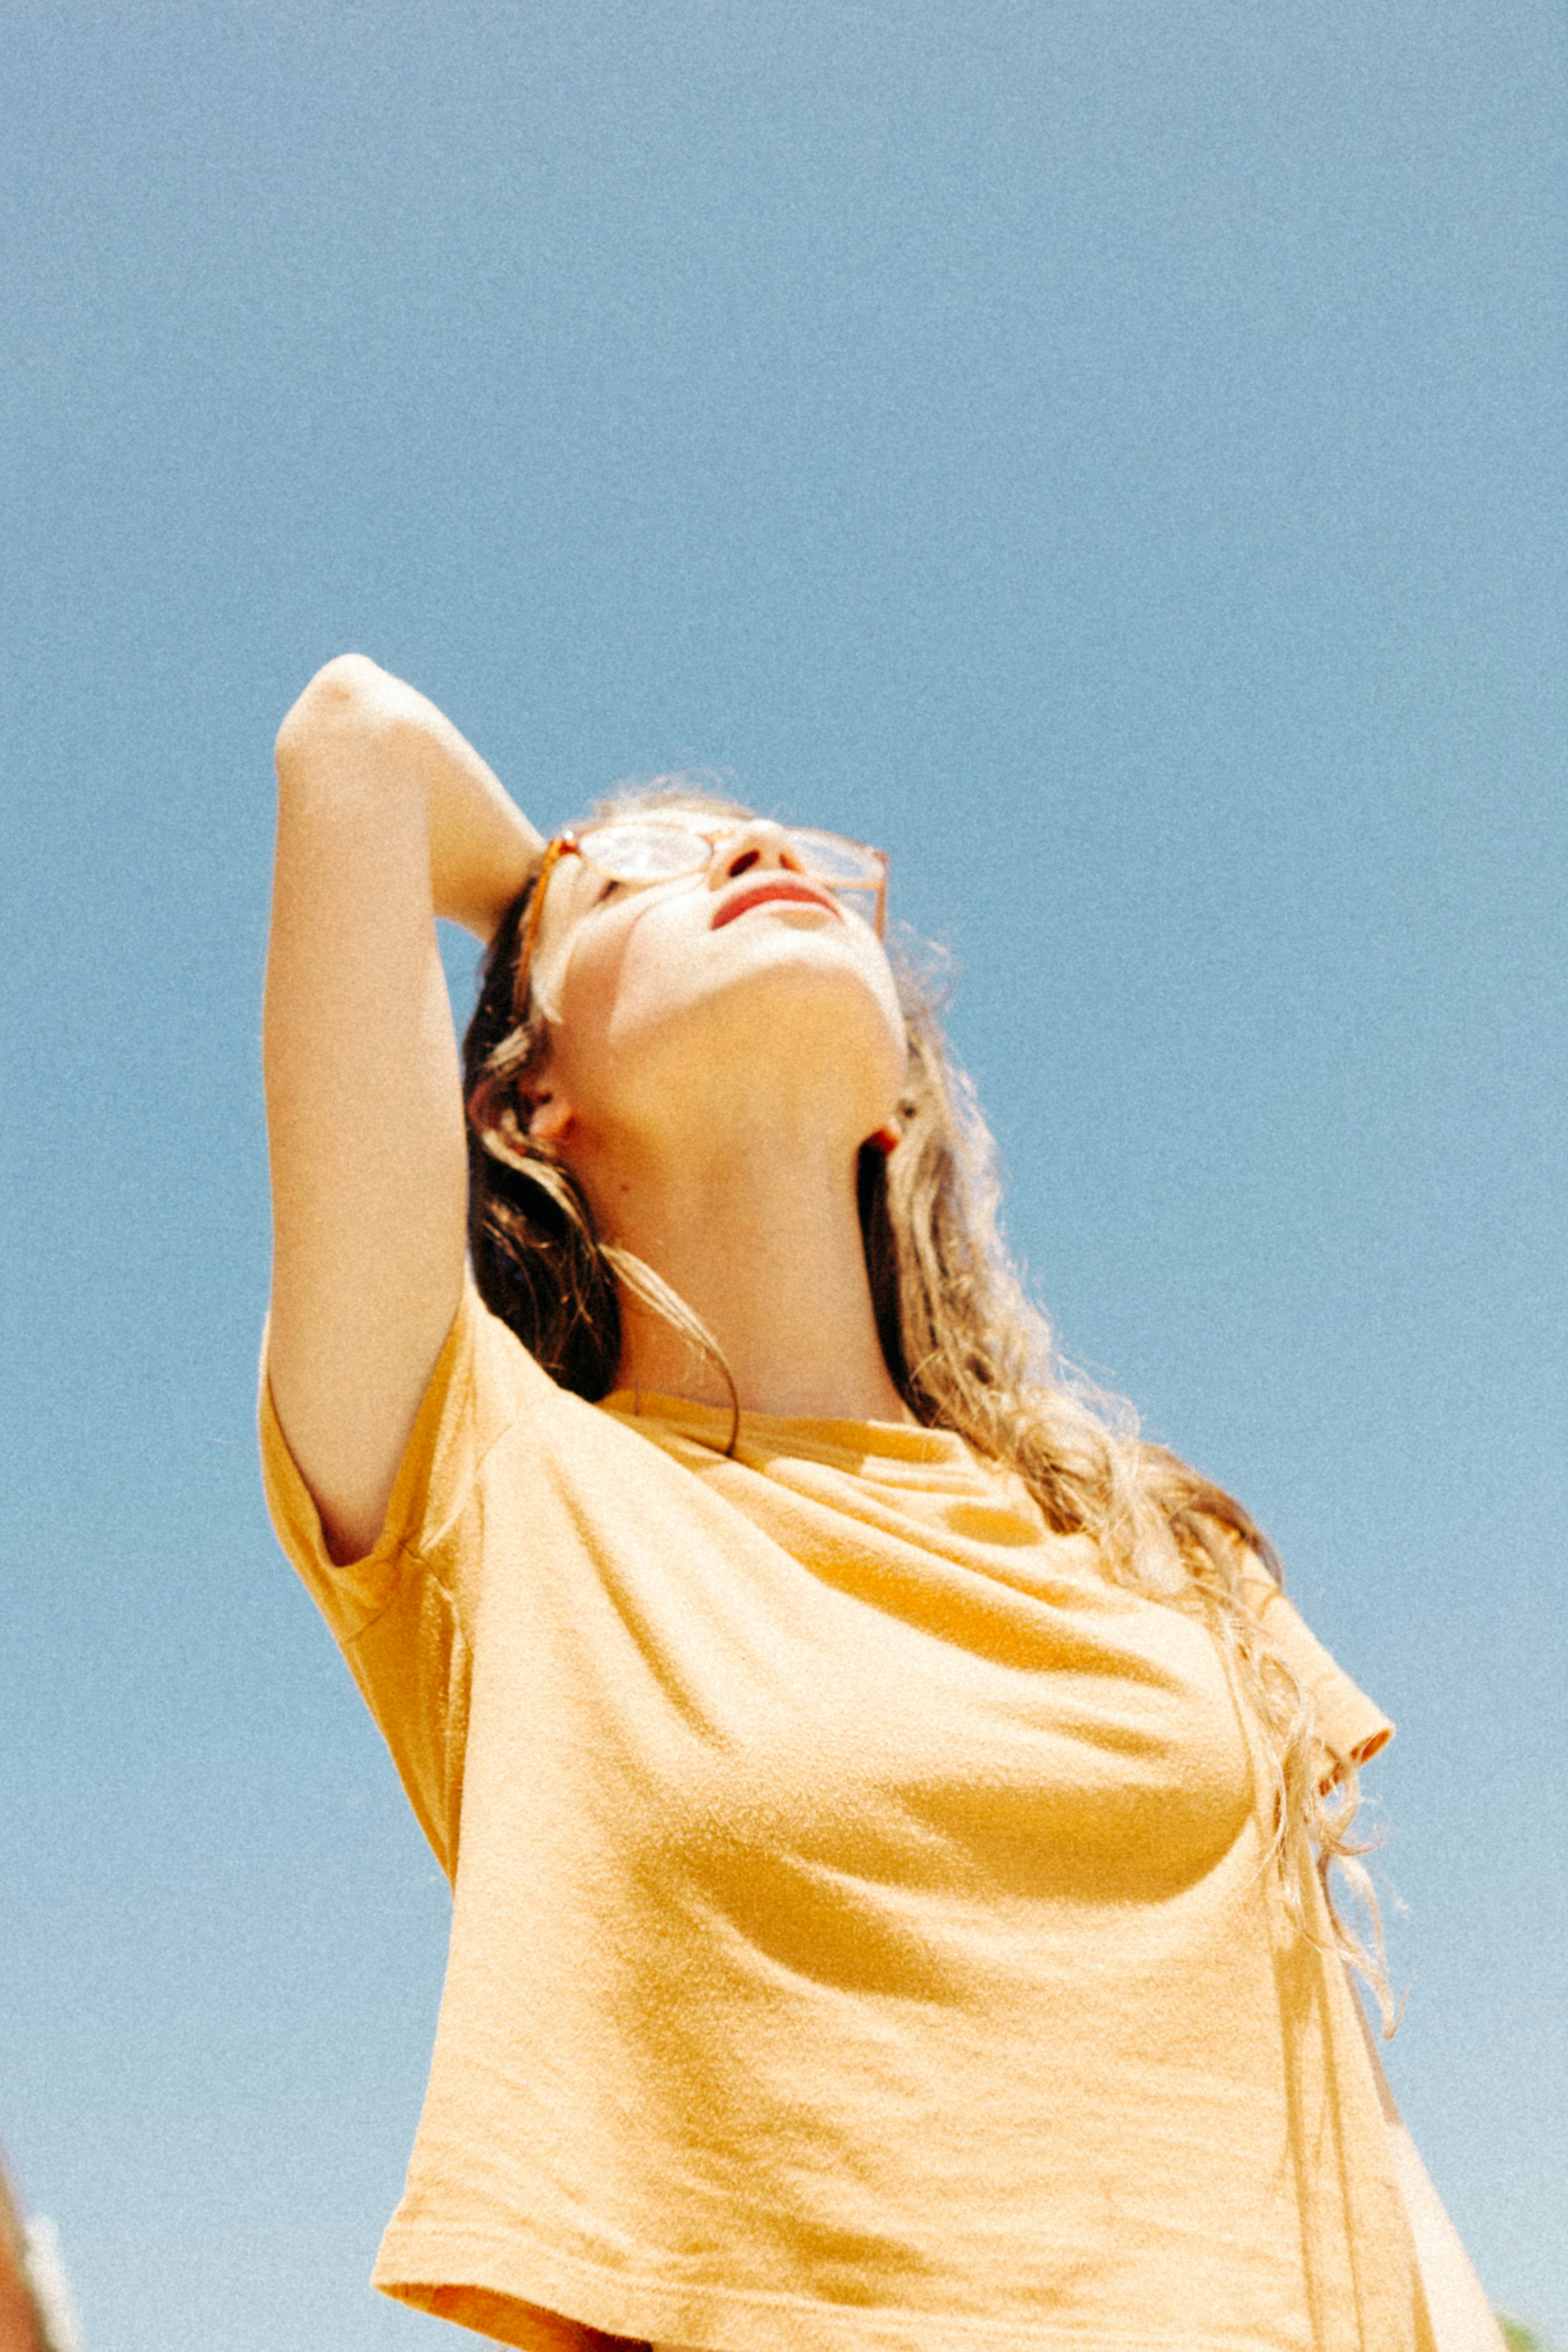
[(386, 818)]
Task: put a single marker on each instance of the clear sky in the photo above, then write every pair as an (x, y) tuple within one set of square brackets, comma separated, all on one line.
[(1110, 455)]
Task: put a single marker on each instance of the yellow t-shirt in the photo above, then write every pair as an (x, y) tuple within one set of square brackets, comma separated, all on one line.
[(861, 1933)]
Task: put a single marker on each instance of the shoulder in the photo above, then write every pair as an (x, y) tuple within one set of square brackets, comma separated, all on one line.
[(484, 1385)]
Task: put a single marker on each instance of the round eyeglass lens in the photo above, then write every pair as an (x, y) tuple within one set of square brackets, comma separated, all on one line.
[(831, 858), (645, 853)]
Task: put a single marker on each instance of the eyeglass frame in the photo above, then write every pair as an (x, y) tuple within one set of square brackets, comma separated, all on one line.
[(569, 843)]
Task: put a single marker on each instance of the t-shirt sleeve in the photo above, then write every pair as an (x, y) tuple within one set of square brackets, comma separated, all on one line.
[(399, 1613), (1352, 1728), (479, 1386)]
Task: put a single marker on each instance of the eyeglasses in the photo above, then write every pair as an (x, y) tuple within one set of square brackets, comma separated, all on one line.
[(640, 851)]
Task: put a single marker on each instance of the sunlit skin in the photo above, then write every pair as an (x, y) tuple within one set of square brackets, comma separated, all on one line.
[(715, 1065)]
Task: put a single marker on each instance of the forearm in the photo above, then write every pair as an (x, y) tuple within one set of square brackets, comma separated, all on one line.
[(360, 738)]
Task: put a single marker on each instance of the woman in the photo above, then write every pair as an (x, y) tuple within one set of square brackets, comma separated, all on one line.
[(885, 1806)]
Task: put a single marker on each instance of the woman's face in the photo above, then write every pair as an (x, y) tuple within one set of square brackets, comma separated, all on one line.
[(746, 992)]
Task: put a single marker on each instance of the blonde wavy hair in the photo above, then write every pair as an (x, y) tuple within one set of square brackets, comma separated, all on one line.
[(969, 1351)]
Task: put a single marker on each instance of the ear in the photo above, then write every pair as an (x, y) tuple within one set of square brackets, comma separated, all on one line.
[(550, 1114)]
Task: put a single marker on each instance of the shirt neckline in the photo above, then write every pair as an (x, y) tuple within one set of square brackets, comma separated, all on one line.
[(896, 1441)]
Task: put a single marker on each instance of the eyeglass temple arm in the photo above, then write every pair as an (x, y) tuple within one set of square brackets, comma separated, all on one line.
[(562, 845)]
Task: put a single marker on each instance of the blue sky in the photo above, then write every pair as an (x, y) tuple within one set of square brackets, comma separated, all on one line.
[(1110, 457)]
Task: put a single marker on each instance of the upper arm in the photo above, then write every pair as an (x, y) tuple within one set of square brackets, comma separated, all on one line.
[(363, 1102)]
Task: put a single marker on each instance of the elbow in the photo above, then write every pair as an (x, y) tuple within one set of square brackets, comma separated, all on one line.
[(341, 696)]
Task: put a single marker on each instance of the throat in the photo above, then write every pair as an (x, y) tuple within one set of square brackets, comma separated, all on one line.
[(777, 1279)]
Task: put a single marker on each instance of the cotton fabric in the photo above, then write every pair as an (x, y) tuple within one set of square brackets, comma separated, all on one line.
[(862, 1931)]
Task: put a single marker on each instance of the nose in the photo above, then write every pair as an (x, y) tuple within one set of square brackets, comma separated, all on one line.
[(757, 843)]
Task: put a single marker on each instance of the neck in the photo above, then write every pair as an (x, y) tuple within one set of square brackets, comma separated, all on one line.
[(762, 1240)]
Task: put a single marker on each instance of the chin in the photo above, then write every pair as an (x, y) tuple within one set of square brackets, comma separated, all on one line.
[(806, 983), (781, 1019)]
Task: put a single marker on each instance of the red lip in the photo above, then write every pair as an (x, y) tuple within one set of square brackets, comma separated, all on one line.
[(776, 886)]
